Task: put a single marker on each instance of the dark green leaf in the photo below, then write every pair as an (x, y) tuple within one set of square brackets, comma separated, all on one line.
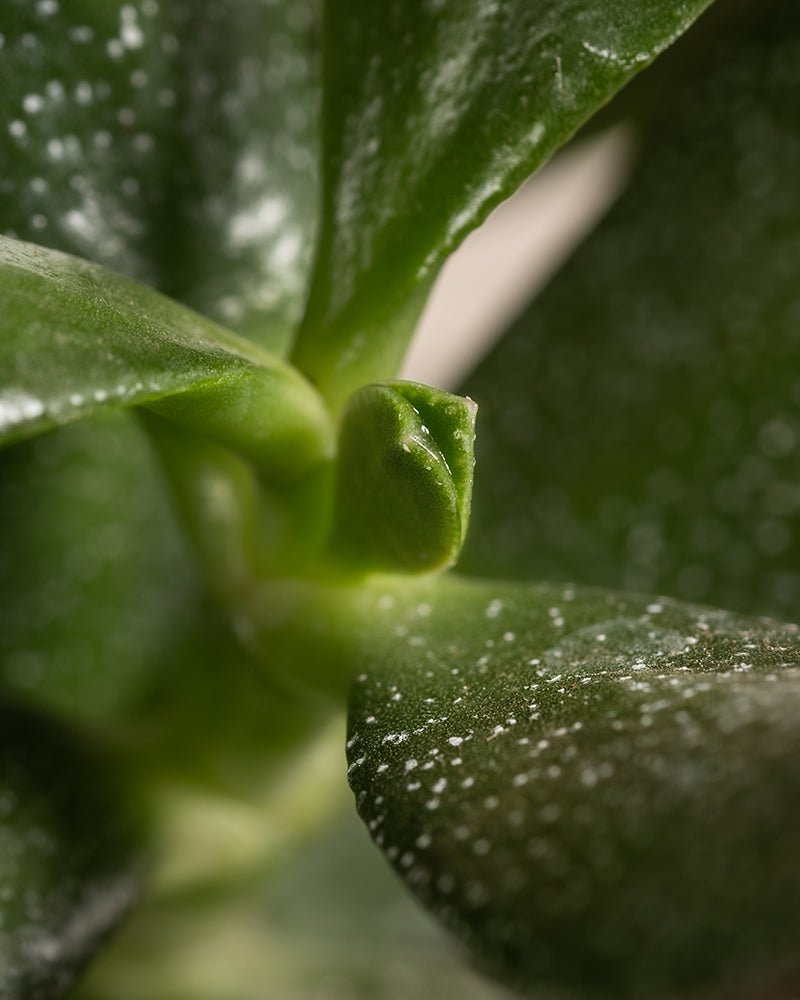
[(171, 141), (404, 478), (640, 424), (433, 113), (67, 856), (75, 338), (597, 793)]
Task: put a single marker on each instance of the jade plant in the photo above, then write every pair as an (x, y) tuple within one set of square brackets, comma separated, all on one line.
[(226, 519)]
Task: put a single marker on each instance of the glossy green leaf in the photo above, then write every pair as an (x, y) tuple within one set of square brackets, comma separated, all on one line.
[(640, 424), (68, 856), (597, 793), (171, 141), (75, 339), (404, 478), (433, 113)]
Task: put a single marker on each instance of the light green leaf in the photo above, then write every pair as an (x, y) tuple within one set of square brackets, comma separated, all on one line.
[(640, 423), (404, 478), (596, 792), (433, 113), (172, 142), (68, 859), (75, 339)]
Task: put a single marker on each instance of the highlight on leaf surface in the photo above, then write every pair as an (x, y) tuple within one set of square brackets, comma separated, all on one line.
[(597, 793), (404, 478), (76, 338)]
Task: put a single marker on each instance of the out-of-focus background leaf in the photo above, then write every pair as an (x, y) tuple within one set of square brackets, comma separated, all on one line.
[(69, 859), (640, 424), (333, 923), (173, 141)]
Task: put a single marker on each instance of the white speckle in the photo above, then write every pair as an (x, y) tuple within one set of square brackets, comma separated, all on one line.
[(440, 786), (432, 804), (509, 637), (18, 129), (32, 103), (491, 802), (445, 883), (467, 782), (382, 767), (481, 846), (115, 48), (46, 8), (411, 763), (413, 786), (17, 407), (395, 738), (131, 35), (655, 609), (519, 779), (423, 841), (81, 33), (455, 741), (494, 608)]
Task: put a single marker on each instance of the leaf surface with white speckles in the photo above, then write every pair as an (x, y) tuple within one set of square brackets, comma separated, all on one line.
[(596, 792)]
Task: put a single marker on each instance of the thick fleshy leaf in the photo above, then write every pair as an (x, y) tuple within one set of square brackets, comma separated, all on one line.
[(640, 424), (404, 481), (75, 338), (433, 113), (68, 856), (597, 793), (172, 141)]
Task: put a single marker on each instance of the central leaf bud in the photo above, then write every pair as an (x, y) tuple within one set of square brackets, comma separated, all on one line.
[(406, 455)]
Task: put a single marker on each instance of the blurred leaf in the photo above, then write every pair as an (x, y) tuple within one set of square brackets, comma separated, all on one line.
[(75, 338), (597, 793), (67, 856), (93, 577), (172, 141), (640, 424), (433, 113), (332, 923)]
